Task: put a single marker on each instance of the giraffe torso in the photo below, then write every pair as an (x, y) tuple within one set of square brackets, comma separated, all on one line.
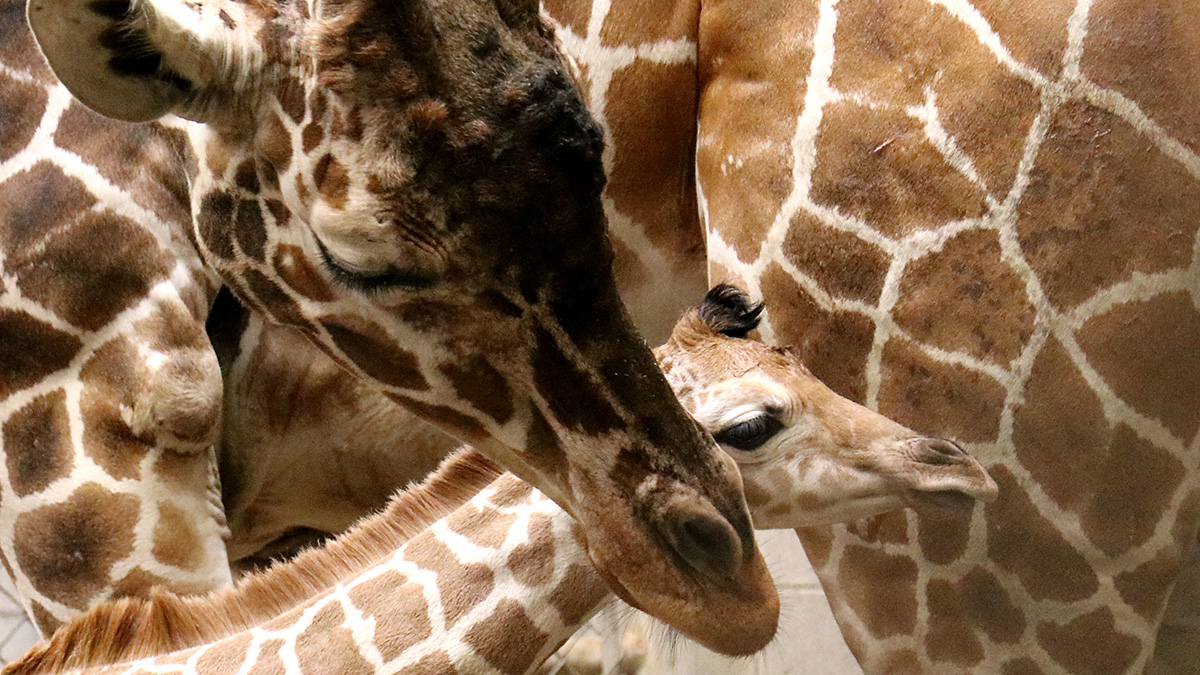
[(979, 219)]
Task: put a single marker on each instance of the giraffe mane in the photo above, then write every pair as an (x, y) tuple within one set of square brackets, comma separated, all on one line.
[(162, 622)]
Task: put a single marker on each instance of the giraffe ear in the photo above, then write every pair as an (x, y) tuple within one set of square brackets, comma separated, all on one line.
[(137, 60)]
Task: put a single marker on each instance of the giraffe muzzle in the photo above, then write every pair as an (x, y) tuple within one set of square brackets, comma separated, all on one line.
[(703, 539)]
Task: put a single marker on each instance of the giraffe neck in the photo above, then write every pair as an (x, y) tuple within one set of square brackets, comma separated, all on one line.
[(499, 582)]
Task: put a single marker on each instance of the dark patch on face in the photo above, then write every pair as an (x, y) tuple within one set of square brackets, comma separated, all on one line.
[(291, 99), (312, 136), (379, 358), (226, 19), (542, 448), (574, 399), (30, 350), (274, 300), (480, 384), (21, 106), (299, 275), (68, 549), (250, 229), (507, 656), (37, 444), (246, 176), (279, 212), (214, 223), (448, 419), (332, 180)]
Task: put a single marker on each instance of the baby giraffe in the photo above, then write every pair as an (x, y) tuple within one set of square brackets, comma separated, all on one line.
[(475, 572)]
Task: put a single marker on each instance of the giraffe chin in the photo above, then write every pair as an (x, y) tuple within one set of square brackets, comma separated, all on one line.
[(734, 618)]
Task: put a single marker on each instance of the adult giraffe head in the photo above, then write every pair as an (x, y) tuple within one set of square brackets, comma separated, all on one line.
[(416, 187)]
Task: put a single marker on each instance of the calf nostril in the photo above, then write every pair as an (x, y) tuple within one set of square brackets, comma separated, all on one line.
[(939, 451), (704, 540)]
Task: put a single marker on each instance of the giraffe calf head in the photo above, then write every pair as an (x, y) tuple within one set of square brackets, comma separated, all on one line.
[(807, 455)]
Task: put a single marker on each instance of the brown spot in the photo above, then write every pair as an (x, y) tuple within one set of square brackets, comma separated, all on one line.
[(1021, 666), (1149, 353), (485, 527), (460, 425), (532, 563), (479, 383), (43, 619), (226, 656), (299, 275), (1090, 644), (656, 140), (490, 640), (1043, 435), (1020, 540), (176, 542), (39, 203), (901, 662), (113, 380), (818, 544), (327, 641), (880, 589), (138, 582), (217, 156), (214, 223), (275, 143), (950, 638), (1099, 187), (938, 398), (332, 181), (990, 606), (246, 176), (18, 50), (378, 356), (572, 15), (399, 609), (578, 594), (879, 166), (462, 586), (250, 228), (542, 448), (574, 399), (887, 528), (102, 266), (312, 136), (30, 350), (291, 98), (628, 24), (840, 262), (1145, 588), (21, 109), (37, 444), (269, 660), (943, 539), (1133, 488), (1149, 53), (67, 549), (272, 299), (964, 298)]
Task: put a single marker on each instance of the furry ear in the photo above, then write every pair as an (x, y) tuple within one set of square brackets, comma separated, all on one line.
[(137, 60), (727, 310)]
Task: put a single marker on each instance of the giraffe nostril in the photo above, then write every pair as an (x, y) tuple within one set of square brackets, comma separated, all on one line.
[(704, 540), (939, 452)]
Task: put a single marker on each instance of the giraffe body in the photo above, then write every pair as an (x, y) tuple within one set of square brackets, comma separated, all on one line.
[(502, 581), (979, 219), (415, 188)]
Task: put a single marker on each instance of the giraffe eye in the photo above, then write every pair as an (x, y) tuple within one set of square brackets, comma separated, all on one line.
[(367, 282), (750, 434)]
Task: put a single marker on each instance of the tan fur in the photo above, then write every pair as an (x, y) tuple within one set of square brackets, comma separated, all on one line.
[(134, 628)]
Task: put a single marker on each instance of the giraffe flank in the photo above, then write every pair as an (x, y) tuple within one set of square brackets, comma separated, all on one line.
[(415, 188), (503, 580), (978, 218)]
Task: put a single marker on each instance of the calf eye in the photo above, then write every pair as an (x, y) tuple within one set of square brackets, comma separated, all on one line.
[(750, 434)]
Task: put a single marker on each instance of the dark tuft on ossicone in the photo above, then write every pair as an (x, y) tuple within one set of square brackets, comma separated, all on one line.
[(727, 310)]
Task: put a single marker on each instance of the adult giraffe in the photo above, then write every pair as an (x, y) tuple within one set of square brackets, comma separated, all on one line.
[(415, 187), (980, 219)]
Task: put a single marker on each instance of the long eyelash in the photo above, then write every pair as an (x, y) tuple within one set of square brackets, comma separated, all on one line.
[(372, 283)]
